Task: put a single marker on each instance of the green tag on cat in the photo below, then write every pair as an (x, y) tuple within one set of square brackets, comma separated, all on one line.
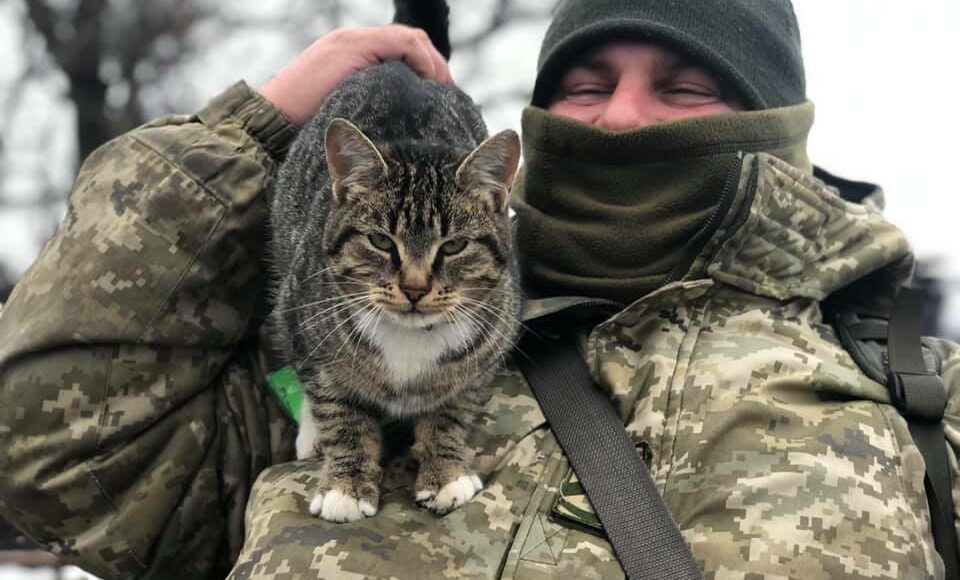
[(286, 386), (288, 389)]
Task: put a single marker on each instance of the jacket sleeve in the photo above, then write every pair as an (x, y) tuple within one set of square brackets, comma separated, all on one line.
[(116, 345)]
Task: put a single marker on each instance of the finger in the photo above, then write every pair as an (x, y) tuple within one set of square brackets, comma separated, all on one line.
[(442, 68), (421, 55), (422, 61), (398, 42), (410, 45)]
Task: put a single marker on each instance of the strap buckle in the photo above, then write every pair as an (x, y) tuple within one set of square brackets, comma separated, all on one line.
[(920, 396)]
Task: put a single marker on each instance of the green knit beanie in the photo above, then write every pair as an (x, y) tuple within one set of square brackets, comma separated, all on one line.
[(752, 46)]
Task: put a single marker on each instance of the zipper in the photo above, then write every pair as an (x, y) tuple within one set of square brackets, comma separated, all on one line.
[(699, 241)]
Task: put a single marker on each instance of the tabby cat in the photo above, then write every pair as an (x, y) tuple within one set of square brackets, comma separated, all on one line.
[(396, 287)]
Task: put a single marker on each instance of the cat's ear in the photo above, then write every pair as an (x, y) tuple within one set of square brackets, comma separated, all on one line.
[(351, 156), (491, 168)]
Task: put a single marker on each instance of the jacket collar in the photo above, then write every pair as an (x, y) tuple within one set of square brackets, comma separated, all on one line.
[(788, 234)]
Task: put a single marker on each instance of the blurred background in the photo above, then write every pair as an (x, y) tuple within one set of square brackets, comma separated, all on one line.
[(74, 73)]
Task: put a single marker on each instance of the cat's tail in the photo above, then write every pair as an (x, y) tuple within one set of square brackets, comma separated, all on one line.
[(433, 16)]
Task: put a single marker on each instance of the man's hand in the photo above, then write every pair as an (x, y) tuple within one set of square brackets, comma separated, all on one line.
[(300, 88)]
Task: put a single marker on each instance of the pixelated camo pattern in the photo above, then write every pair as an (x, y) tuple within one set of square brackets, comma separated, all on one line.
[(134, 418)]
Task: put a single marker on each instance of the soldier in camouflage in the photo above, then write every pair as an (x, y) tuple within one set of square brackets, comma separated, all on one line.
[(139, 438)]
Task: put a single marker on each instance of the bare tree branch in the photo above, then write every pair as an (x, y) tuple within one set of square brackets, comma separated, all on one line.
[(44, 20), (12, 100), (79, 56), (135, 46), (511, 96), (506, 12)]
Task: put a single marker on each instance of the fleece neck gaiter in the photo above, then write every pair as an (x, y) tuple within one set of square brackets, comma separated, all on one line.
[(612, 214)]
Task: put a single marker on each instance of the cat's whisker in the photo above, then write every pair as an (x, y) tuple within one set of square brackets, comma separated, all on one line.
[(306, 327), (485, 330), (489, 328), (354, 280), (356, 333), (496, 288), (354, 329), (337, 284), (343, 304), (484, 301), (464, 335), (342, 276), (489, 295), (484, 327), (370, 320), (493, 291), (467, 372), (319, 302), (335, 329), (317, 273), (502, 315), (514, 346)]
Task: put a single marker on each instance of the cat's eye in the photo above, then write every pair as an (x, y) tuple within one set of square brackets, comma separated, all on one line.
[(453, 247), (381, 242)]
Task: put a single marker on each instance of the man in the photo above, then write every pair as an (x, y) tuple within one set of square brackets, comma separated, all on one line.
[(667, 214)]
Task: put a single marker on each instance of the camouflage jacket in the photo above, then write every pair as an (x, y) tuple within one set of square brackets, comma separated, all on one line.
[(139, 439)]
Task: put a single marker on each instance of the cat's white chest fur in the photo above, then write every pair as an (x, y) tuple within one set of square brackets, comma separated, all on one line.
[(408, 353)]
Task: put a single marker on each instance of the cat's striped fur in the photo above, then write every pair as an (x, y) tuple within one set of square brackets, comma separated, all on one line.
[(396, 288)]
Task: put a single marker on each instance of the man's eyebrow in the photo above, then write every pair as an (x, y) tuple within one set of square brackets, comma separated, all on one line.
[(598, 65), (680, 63), (593, 64)]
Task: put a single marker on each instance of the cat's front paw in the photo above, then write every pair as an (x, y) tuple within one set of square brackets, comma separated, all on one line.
[(451, 495), (307, 444), (339, 505)]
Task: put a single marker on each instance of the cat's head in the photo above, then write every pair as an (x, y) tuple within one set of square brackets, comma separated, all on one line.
[(419, 233)]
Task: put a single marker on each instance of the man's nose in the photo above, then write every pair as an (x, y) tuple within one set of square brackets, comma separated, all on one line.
[(630, 106)]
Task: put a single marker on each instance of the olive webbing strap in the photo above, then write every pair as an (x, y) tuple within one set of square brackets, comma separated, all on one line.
[(921, 397), (645, 538)]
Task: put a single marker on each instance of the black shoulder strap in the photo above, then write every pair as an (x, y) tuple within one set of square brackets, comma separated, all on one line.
[(916, 391), (643, 535), (921, 397)]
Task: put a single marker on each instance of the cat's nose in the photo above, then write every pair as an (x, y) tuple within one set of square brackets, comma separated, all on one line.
[(414, 294), (415, 283)]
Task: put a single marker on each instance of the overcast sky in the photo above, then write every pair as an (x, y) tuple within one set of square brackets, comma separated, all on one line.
[(882, 74)]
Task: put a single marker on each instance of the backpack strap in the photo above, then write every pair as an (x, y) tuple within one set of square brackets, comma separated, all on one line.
[(644, 537), (921, 397), (917, 392)]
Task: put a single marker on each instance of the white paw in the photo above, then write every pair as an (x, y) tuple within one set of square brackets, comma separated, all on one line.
[(336, 506), (307, 434), (452, 495)]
